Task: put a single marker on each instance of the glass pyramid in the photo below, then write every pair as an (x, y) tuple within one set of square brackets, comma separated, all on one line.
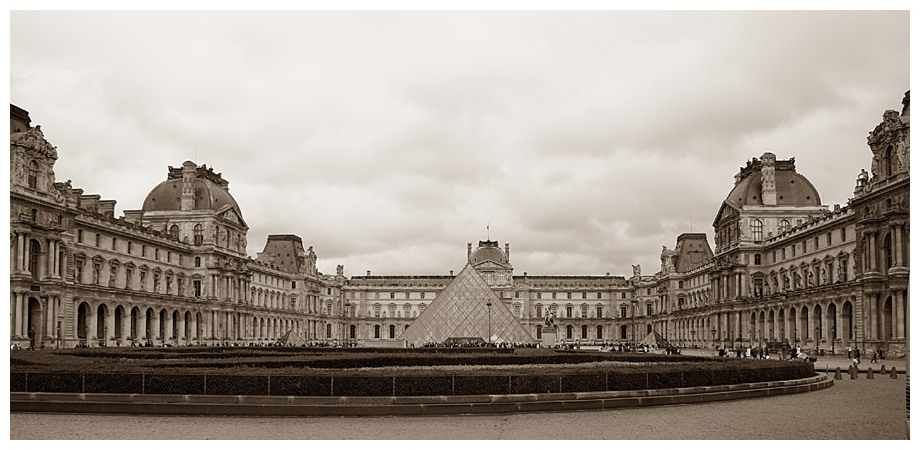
[(461, 310)]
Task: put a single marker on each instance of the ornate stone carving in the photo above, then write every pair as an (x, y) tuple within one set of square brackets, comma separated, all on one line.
[(35, 140)]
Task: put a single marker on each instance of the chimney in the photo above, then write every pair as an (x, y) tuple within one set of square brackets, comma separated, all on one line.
[(368, 273), (469, 250), (608, 274), (188, 186), (451, 273), (507, 252), (768, 179)]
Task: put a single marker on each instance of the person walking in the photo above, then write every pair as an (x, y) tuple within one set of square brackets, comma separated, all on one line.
[(849, 352)]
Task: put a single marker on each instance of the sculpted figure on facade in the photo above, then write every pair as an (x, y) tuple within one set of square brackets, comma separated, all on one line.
[(637, 270), (862, 179)]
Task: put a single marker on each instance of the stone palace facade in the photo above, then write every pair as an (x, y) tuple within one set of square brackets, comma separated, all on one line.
[(785, 268)]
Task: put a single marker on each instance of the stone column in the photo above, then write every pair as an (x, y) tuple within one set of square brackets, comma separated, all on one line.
[(897, 314), (19, 252), (896, 245), (155, 324), (873, 248), (26, 254), (91, 325), (181, 334), (47, 317), (18, 314), (141, 326), (110, 326), (872, 298), (125, 327)]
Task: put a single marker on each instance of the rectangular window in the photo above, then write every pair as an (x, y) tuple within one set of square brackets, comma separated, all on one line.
[(156, 254), (623, 311), (600, 312), (539, 311), (598, 295), (98, 239), (80, 236), (196, 284), (828, 239), (793, 250), (680, 284), (648, 309), (843, 234), (422, 295), (114, 243), (568, 312)]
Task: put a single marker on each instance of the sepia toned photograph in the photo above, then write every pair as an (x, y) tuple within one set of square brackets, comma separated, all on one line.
[(412, 224)]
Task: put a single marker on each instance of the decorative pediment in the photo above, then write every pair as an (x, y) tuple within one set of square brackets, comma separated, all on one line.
[(34, 141), (491, 265), (230, 214)]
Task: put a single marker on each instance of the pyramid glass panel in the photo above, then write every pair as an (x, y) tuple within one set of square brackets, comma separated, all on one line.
[(461, 310)]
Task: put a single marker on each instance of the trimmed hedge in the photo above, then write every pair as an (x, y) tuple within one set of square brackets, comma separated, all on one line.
[(616, 380)]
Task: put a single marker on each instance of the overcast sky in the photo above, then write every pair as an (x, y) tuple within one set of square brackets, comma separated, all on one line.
[(388, 140)]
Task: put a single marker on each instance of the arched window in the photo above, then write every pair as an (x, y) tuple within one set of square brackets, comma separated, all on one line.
[(33, 174), (600, 332), (584, 332), (756, 259), (889, 161), (174, 231), (376, 331), (199, 234), (352, 331), (757, 230), (783, 226), (622, 331), (569, 331), (328, 331), (392, 331)]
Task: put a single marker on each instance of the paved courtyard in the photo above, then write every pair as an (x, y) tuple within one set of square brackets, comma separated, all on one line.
[(851, 409)]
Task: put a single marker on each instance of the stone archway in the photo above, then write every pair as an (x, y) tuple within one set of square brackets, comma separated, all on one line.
[(102, 311), (36, 326), (119, 323)]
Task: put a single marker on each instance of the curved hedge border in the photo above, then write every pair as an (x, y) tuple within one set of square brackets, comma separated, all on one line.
[(294, 385)]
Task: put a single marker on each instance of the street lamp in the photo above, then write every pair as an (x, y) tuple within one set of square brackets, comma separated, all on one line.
[(489, 305)]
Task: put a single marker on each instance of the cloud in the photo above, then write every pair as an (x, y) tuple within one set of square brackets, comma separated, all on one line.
[(388, 140)]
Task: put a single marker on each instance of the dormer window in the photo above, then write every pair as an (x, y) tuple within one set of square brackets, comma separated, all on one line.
[(33, 174)]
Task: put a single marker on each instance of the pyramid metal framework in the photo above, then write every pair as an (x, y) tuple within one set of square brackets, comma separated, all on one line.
[(460, 310)]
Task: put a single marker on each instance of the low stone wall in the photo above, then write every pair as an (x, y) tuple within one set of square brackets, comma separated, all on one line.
[(402, 385)]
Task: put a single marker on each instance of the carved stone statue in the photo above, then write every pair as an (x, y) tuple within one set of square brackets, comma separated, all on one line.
[(823, 276), (874, 166), (637, 270), (811, 278), (863, 178)]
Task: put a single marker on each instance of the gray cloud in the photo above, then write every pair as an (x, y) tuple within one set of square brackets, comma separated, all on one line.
[(388, 140)]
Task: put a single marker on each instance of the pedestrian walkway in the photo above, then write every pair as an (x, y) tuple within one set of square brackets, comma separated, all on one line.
[(830, 362)]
